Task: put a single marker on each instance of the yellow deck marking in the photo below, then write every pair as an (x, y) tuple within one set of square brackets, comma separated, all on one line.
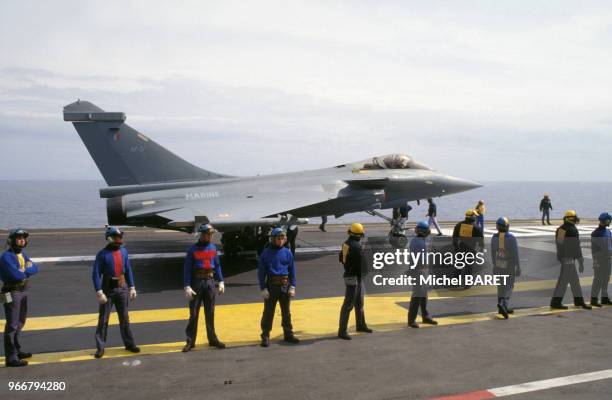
[(240, 326), (182, 314)]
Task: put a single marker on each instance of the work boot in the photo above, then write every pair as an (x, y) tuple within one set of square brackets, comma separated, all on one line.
[(16, 363), (556, 304), (413, 324), (605, 301), (344, 335), (579, 302), (364, 329), (99, 354), (188, 347), (217, 343), (502, 310), (594, 302), (291, 339), (23, 354), (429, 320), (133, 349)]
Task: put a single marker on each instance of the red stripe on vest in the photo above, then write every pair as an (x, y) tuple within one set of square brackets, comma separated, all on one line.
[(118, 258), (206, 256)]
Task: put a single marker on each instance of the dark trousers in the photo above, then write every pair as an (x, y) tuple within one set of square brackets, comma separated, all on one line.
[(119, 297), (546, 213), (418, 300), (505, 291), (205, 293), (601, 280), (568, 275), (291, 236), (353, 298), (15, 313), (277, 294)]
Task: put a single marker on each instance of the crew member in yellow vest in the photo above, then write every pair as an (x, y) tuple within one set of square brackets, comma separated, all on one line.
[(468, 238), (351, 257)]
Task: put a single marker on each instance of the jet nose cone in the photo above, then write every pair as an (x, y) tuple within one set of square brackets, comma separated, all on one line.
[(455, 185)]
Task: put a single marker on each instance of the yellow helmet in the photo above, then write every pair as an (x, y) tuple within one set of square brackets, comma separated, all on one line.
[(357, 229), (570, 214), (471, 213)]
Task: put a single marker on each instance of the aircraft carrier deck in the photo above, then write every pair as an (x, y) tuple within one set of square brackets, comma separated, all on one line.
[(470, 353)]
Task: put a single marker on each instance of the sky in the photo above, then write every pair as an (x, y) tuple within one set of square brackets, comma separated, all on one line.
[(483, 90)]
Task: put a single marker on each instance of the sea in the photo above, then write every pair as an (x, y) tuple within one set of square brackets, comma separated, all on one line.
[(77, 204)]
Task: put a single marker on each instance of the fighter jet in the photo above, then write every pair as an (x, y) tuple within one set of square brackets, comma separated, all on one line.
[(152, 187)]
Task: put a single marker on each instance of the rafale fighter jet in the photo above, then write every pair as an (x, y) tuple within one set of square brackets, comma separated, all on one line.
[(150, 186)]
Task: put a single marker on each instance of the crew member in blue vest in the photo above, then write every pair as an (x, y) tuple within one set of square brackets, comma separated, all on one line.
[(201, 267), (15, 270), (418, 244), (601, 248), (276, 273), (113, 281), (505, 255)]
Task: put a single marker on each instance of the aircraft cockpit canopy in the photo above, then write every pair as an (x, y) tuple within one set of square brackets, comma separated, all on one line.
[(392, 161)]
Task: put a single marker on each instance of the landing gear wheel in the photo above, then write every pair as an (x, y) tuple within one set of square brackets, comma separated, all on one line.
[(397, 240)]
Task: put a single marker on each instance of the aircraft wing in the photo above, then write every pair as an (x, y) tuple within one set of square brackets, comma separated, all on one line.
[(258, 209)]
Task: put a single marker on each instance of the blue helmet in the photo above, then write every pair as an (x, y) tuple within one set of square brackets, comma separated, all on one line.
[(502, 224), (278, 232), (206, 228), (422, 228), (112, 231), (605, 216)]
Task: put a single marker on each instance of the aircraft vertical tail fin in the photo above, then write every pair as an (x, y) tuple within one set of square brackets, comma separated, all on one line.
[(125, 156)]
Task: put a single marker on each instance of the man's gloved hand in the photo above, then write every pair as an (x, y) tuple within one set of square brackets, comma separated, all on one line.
[(581, 264), (221, 287), (518, 271), (189, 293), (101, 297), (133, 293), (291, 291), (265, 294)]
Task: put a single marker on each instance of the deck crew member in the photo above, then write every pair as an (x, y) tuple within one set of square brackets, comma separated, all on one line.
[(15, 270), (601, 247), (480, 210), (545, 208), (568, 251), (113, 281), (418, 244), (468, 238), (276, 274), (505, 257), (432, 213), (351, 257), (201, 267)]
